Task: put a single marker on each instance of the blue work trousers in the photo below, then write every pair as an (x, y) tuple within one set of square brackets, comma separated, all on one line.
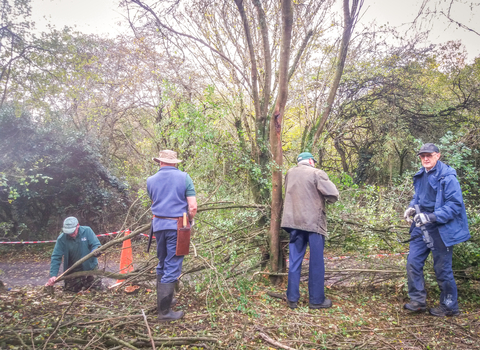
[(442, 264), (169, 265), (316, 279)]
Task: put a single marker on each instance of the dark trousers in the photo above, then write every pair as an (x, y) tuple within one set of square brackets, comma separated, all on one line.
[(442, 264), (85, 282), (169, 265), (316, 274)]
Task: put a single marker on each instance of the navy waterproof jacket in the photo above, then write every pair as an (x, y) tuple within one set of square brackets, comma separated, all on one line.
[(449, 207)]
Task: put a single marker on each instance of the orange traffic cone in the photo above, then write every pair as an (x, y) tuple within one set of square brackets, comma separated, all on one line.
[(126, 258)]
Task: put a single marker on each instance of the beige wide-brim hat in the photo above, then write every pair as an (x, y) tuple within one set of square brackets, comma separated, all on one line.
[(167, 156)]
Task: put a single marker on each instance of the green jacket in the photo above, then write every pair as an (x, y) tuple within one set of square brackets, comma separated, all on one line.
[(88, 243)]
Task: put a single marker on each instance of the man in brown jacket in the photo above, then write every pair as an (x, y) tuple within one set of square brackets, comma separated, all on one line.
[(306, 191)]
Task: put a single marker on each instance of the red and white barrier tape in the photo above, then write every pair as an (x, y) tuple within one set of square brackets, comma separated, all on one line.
[(112, 233), (145, 235), (32, 242), (27, 242)]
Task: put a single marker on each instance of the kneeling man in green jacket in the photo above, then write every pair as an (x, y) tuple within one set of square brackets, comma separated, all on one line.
[(73, 244)]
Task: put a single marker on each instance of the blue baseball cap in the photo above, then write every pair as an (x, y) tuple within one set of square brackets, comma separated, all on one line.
[(428, 148)]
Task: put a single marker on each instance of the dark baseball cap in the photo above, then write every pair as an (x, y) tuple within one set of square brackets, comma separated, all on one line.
[(428, 148)]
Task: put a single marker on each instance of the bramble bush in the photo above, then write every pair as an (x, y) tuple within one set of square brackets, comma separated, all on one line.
[(48, 172)]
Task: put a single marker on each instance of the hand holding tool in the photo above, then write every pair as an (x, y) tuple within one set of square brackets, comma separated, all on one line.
[(408, 214), (426, 236)]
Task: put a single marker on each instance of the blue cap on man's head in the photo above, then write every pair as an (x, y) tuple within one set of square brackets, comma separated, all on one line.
[(70, 225), (305, 156)]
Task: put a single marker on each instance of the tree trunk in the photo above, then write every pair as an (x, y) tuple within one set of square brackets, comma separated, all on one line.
[(341, 152), (254, 72), (276, 136), (349, 18), (401, 155)]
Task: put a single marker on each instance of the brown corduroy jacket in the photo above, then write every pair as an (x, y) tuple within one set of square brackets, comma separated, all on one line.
[(306, 191)]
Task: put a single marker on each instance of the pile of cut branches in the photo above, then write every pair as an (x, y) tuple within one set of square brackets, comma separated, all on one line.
[(239, 314)]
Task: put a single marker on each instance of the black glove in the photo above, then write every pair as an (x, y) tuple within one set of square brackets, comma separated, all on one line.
[(97, 254), (424, 218)]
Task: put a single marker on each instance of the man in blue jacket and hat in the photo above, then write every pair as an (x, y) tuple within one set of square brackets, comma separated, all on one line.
[(172, 193), (442, 215)]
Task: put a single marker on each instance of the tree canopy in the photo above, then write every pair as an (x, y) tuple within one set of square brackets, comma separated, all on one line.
[(238, 94)]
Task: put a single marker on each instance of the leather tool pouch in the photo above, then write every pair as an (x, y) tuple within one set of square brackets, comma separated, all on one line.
[(183, 238)]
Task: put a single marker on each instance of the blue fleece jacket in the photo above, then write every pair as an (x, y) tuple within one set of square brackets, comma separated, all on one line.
[(449, 207), (168, 191)]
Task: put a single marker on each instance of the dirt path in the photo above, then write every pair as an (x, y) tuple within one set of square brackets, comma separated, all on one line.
[(21, 273)]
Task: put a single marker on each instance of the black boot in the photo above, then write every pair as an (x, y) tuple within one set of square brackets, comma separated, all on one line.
[(415, 306), (174, 300), (325, 305), (442, 310), (164, 301)]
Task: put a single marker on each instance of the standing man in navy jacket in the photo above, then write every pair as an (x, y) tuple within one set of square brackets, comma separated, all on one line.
[(442, 213), (172, 194)]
